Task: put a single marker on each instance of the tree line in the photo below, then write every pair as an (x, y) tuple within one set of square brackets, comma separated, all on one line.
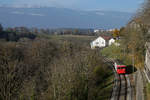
[(61, 31), (10, 34)]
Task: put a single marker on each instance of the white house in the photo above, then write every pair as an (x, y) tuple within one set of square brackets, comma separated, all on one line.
[(98, 30), (111, 41), (95, 31), (102, 41)]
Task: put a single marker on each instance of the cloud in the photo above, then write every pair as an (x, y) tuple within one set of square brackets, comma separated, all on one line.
[(100, 13), (55, 3), (34, 14), (120, 5), (17, 12)]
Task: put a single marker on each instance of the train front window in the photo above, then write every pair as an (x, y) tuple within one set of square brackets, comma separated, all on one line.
[(121, 68)]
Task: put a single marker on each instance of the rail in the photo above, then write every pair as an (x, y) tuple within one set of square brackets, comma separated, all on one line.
[(122, 87)]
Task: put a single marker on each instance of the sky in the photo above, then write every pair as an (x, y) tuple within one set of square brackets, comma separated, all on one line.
[(114, 5)]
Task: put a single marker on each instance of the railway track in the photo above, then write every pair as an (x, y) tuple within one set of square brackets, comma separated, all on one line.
[(122, 94), (122, 87)]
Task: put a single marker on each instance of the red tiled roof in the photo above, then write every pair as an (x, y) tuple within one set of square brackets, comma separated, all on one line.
[(106, 37)]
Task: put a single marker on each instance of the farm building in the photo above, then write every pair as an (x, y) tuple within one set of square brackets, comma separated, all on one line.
[(102, 41)]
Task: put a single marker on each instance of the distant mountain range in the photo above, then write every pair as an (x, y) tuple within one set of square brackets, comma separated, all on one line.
[(51, 17)]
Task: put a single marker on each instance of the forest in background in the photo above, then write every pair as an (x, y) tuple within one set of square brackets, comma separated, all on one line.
[(45, 67)]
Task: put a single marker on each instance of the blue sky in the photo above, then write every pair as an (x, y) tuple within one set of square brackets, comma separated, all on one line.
[(116, 5)]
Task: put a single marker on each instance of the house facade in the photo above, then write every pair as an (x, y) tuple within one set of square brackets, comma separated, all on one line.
[(102, 41), (111, 41)]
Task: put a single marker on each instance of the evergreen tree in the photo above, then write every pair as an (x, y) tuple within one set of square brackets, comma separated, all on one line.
[(1, 28)]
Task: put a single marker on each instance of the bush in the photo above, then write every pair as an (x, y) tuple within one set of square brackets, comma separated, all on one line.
[(148, 87)]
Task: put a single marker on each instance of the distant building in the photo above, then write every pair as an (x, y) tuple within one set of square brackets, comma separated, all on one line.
[(110, 30), (95, 31), (102, 41), (98, 30), (111, 41), (134, 24), (147, 61)]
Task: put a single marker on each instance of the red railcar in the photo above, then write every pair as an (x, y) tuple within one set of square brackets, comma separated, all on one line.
[(120, 68)]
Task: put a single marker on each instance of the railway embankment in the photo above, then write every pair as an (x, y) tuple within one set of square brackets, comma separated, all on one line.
[(139, 86), (122, 89)]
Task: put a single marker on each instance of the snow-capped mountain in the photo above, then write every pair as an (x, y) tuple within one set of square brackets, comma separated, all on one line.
[(50, 17)]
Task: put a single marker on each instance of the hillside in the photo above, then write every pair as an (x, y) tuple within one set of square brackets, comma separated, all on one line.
[(50, 67), (62, 18)]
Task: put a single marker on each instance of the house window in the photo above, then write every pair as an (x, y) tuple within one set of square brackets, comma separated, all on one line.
[(97, 42)]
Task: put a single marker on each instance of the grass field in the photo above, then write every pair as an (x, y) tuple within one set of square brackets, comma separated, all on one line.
[(77, 39)]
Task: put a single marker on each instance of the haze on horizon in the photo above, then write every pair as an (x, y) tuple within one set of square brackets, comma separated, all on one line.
[(115, 5)]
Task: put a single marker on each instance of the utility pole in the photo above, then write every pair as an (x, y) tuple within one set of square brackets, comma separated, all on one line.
[(133, 60), (133, 65)]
